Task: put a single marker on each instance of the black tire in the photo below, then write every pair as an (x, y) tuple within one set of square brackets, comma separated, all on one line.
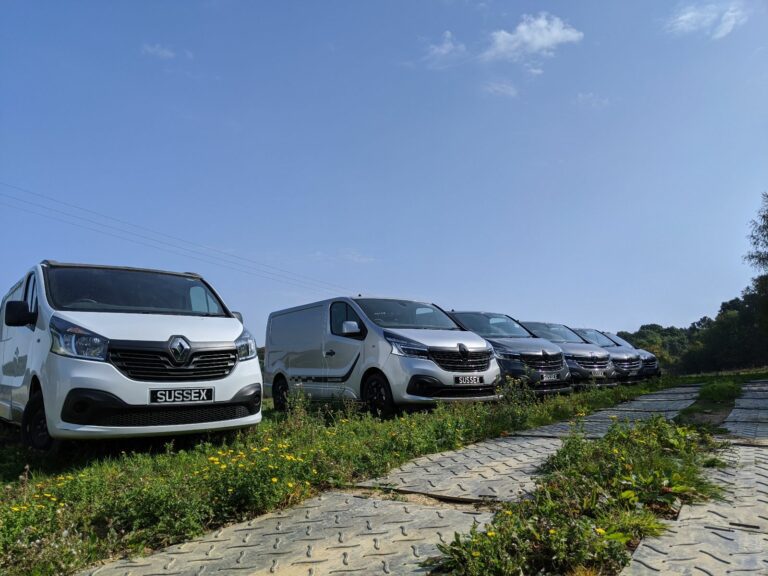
[(34, 426), (377, 396), (280, 394)]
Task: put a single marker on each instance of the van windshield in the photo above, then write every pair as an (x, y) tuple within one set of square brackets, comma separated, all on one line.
[(596, 337), (406, 314), (85, 289), (492, 325), (554, 332), (619, 340)]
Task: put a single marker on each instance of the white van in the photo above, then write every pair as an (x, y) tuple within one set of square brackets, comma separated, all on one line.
[(385, 352), (99, 351)]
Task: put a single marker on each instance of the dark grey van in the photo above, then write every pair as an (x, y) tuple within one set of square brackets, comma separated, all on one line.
[(586, 362), (520, 353)]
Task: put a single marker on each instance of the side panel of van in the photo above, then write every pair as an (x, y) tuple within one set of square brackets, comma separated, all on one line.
[(295, 349), (10, 354)]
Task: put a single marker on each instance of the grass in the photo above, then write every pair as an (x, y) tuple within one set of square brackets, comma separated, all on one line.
[(593, 503), (108, 499)]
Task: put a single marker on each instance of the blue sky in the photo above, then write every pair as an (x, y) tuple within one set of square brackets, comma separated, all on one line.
[(595, 163)]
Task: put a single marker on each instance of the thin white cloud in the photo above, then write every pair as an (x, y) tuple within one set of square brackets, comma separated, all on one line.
[(714, 20), (448, 52), (734, 16), (534, 36), (158, 51), (592, 100), (501, 88), (534, 70)]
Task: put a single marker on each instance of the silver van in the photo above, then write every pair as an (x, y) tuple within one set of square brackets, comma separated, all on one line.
[(385, 352)]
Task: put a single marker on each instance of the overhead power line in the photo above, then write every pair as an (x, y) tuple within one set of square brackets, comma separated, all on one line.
[(189, 249)]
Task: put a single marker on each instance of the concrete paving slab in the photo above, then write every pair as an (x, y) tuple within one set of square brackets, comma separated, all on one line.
[(335, 533), (655, 405), (748, 415), (729, 537), (499, 469)]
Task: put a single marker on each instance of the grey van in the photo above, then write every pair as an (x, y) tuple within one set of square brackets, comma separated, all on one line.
[(586, 361), (650, 367), (385, 352), (626, 361), (520, 353)]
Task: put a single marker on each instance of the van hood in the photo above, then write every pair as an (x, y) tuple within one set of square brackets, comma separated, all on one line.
[(622, 353), (527, 345), (156, 327), (644, 354), (443, 338), (583, 349)]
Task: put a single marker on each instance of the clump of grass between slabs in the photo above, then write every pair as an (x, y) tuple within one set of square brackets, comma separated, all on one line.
[(593, 503), (715, 401), (60, 517), (720, 392)]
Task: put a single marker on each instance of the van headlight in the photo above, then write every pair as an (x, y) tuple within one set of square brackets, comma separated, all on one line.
[(505, 354), (71, 340), (402, 346), (246, 346)]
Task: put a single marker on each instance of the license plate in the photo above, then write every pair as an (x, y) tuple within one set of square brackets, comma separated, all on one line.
[(633, 373), (598, 373), (181, 395), (467, 379), (548, 377)]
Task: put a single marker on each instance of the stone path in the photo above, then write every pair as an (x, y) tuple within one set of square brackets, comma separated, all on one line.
[(729, 537), (749, 418), (345, 533)]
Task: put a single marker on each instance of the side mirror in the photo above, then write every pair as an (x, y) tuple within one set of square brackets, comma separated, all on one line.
[(17, 314), (350, 328), (238, 316)]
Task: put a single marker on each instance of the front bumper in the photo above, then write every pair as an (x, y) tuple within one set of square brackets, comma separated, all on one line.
[(538, 381), (419, 381), (603, 378), (86, 399)]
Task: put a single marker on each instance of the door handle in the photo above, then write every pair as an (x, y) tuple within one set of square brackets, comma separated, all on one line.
[(330, 353)]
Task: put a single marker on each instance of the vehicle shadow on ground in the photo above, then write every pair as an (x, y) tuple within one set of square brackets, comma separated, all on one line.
[(17, 461)]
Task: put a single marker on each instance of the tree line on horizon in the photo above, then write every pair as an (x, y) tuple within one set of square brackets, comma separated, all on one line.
[(737, 337)]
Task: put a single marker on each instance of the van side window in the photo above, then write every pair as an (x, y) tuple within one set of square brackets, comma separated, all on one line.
[(30, 296), (202, 302), (340, 313)]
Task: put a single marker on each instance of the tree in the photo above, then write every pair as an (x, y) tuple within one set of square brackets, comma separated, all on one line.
[(758, 237)]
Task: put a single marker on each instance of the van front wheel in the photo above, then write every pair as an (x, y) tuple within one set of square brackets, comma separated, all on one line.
[(377, 395), (34, 426)]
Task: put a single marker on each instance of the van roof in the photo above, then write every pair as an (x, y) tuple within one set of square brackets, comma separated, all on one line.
[(55, 264)]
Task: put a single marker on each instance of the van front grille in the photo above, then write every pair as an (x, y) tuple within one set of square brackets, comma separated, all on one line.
[(157, 366), (545, 363), (633, 364), (455, 361), (650, 362), (592, 363)]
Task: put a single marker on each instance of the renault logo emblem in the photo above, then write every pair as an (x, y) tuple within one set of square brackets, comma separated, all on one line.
[(464, 352), (179, 348)]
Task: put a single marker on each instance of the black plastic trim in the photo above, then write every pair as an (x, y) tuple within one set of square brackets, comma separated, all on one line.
[(86, 406)]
